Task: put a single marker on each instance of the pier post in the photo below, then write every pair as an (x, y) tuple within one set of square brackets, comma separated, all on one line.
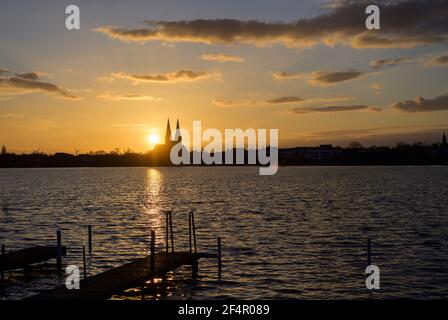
[(58, 250), (369, 252), (219, 258), (90, 239), (189, 233), (152, 257), (2, 271), (171, 232), (194, 232), (84, 262), (166, 233)]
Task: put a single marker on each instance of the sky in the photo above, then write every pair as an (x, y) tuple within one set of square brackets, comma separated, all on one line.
[(308, 68)]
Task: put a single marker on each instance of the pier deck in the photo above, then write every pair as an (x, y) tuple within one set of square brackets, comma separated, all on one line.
[(21, 259), (104, 285)]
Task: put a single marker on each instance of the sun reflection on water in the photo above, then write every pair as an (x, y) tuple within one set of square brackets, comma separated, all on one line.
[(154, 204)]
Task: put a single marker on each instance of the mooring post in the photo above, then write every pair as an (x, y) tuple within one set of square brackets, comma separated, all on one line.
[(219, 258), (166, 233), (171, 232), (90, 239), (194, 232), (152, 257), (2, 268), (189, 233), (84, 267), (369, 253), (58, 250)]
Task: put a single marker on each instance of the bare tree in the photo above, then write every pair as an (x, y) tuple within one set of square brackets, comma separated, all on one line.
[(355, 145)]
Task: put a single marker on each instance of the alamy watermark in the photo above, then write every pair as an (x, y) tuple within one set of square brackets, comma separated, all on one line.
[(227, 149), (72, 281)]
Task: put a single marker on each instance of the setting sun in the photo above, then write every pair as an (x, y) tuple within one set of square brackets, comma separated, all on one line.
[(153, 139)]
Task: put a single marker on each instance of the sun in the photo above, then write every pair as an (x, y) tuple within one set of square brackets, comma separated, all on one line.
[(153, 139)]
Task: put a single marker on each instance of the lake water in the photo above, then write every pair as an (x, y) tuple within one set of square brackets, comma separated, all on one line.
[(300, 234)]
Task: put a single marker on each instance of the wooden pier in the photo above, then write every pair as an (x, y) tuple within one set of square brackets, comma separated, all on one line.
[(104, 285), (22, 259)]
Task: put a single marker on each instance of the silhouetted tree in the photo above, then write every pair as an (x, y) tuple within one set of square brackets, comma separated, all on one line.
[(4, 150), (355, 145)]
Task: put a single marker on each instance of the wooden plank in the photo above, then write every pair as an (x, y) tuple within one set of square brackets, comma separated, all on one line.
[(104, 285), (23, 258)]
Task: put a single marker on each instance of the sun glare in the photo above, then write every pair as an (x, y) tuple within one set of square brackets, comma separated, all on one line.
[(153, 139)]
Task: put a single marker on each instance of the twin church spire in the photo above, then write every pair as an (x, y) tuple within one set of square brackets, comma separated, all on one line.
[(168, 135)]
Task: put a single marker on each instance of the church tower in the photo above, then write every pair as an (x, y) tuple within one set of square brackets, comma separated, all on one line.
[(168, 133), (177, 135)]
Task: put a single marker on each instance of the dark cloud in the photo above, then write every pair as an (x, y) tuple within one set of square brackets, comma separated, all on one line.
[(28, 76), (20, 85), (170, 77), (377, 64), (439, 61), (285, 100), (229, 102), (320, 78), (404, 24), (333, 109), (330, 78), (420, 104), (287, 75)]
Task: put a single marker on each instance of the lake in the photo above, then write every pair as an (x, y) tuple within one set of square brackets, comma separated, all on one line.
[(300, 234)]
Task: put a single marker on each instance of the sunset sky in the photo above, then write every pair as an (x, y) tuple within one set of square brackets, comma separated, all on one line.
[(308, 68)]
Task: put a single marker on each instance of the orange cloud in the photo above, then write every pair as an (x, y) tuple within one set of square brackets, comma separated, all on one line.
[(221, 57)]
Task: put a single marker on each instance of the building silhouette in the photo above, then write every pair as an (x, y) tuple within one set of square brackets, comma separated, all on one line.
[(160, 155)]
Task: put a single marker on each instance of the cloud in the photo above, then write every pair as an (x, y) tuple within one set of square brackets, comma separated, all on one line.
[(404, 24), (221, 57), (333, 109), (128, 97), (170, 77), (28, 76), (27, 83), (285, 100), (439, 61), (376, 86), (287, 75), (377, 64), (330, 78), (227, 103), (320, 78), (420, 104)]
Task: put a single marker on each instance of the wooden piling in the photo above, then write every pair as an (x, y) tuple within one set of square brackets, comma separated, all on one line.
[(219, 259), (152, 259), (84, 267), (171, 232), (59, 250), (2, 269), (194, 232), (166, 233), (369, 253), (189, 233), (90, 238)]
